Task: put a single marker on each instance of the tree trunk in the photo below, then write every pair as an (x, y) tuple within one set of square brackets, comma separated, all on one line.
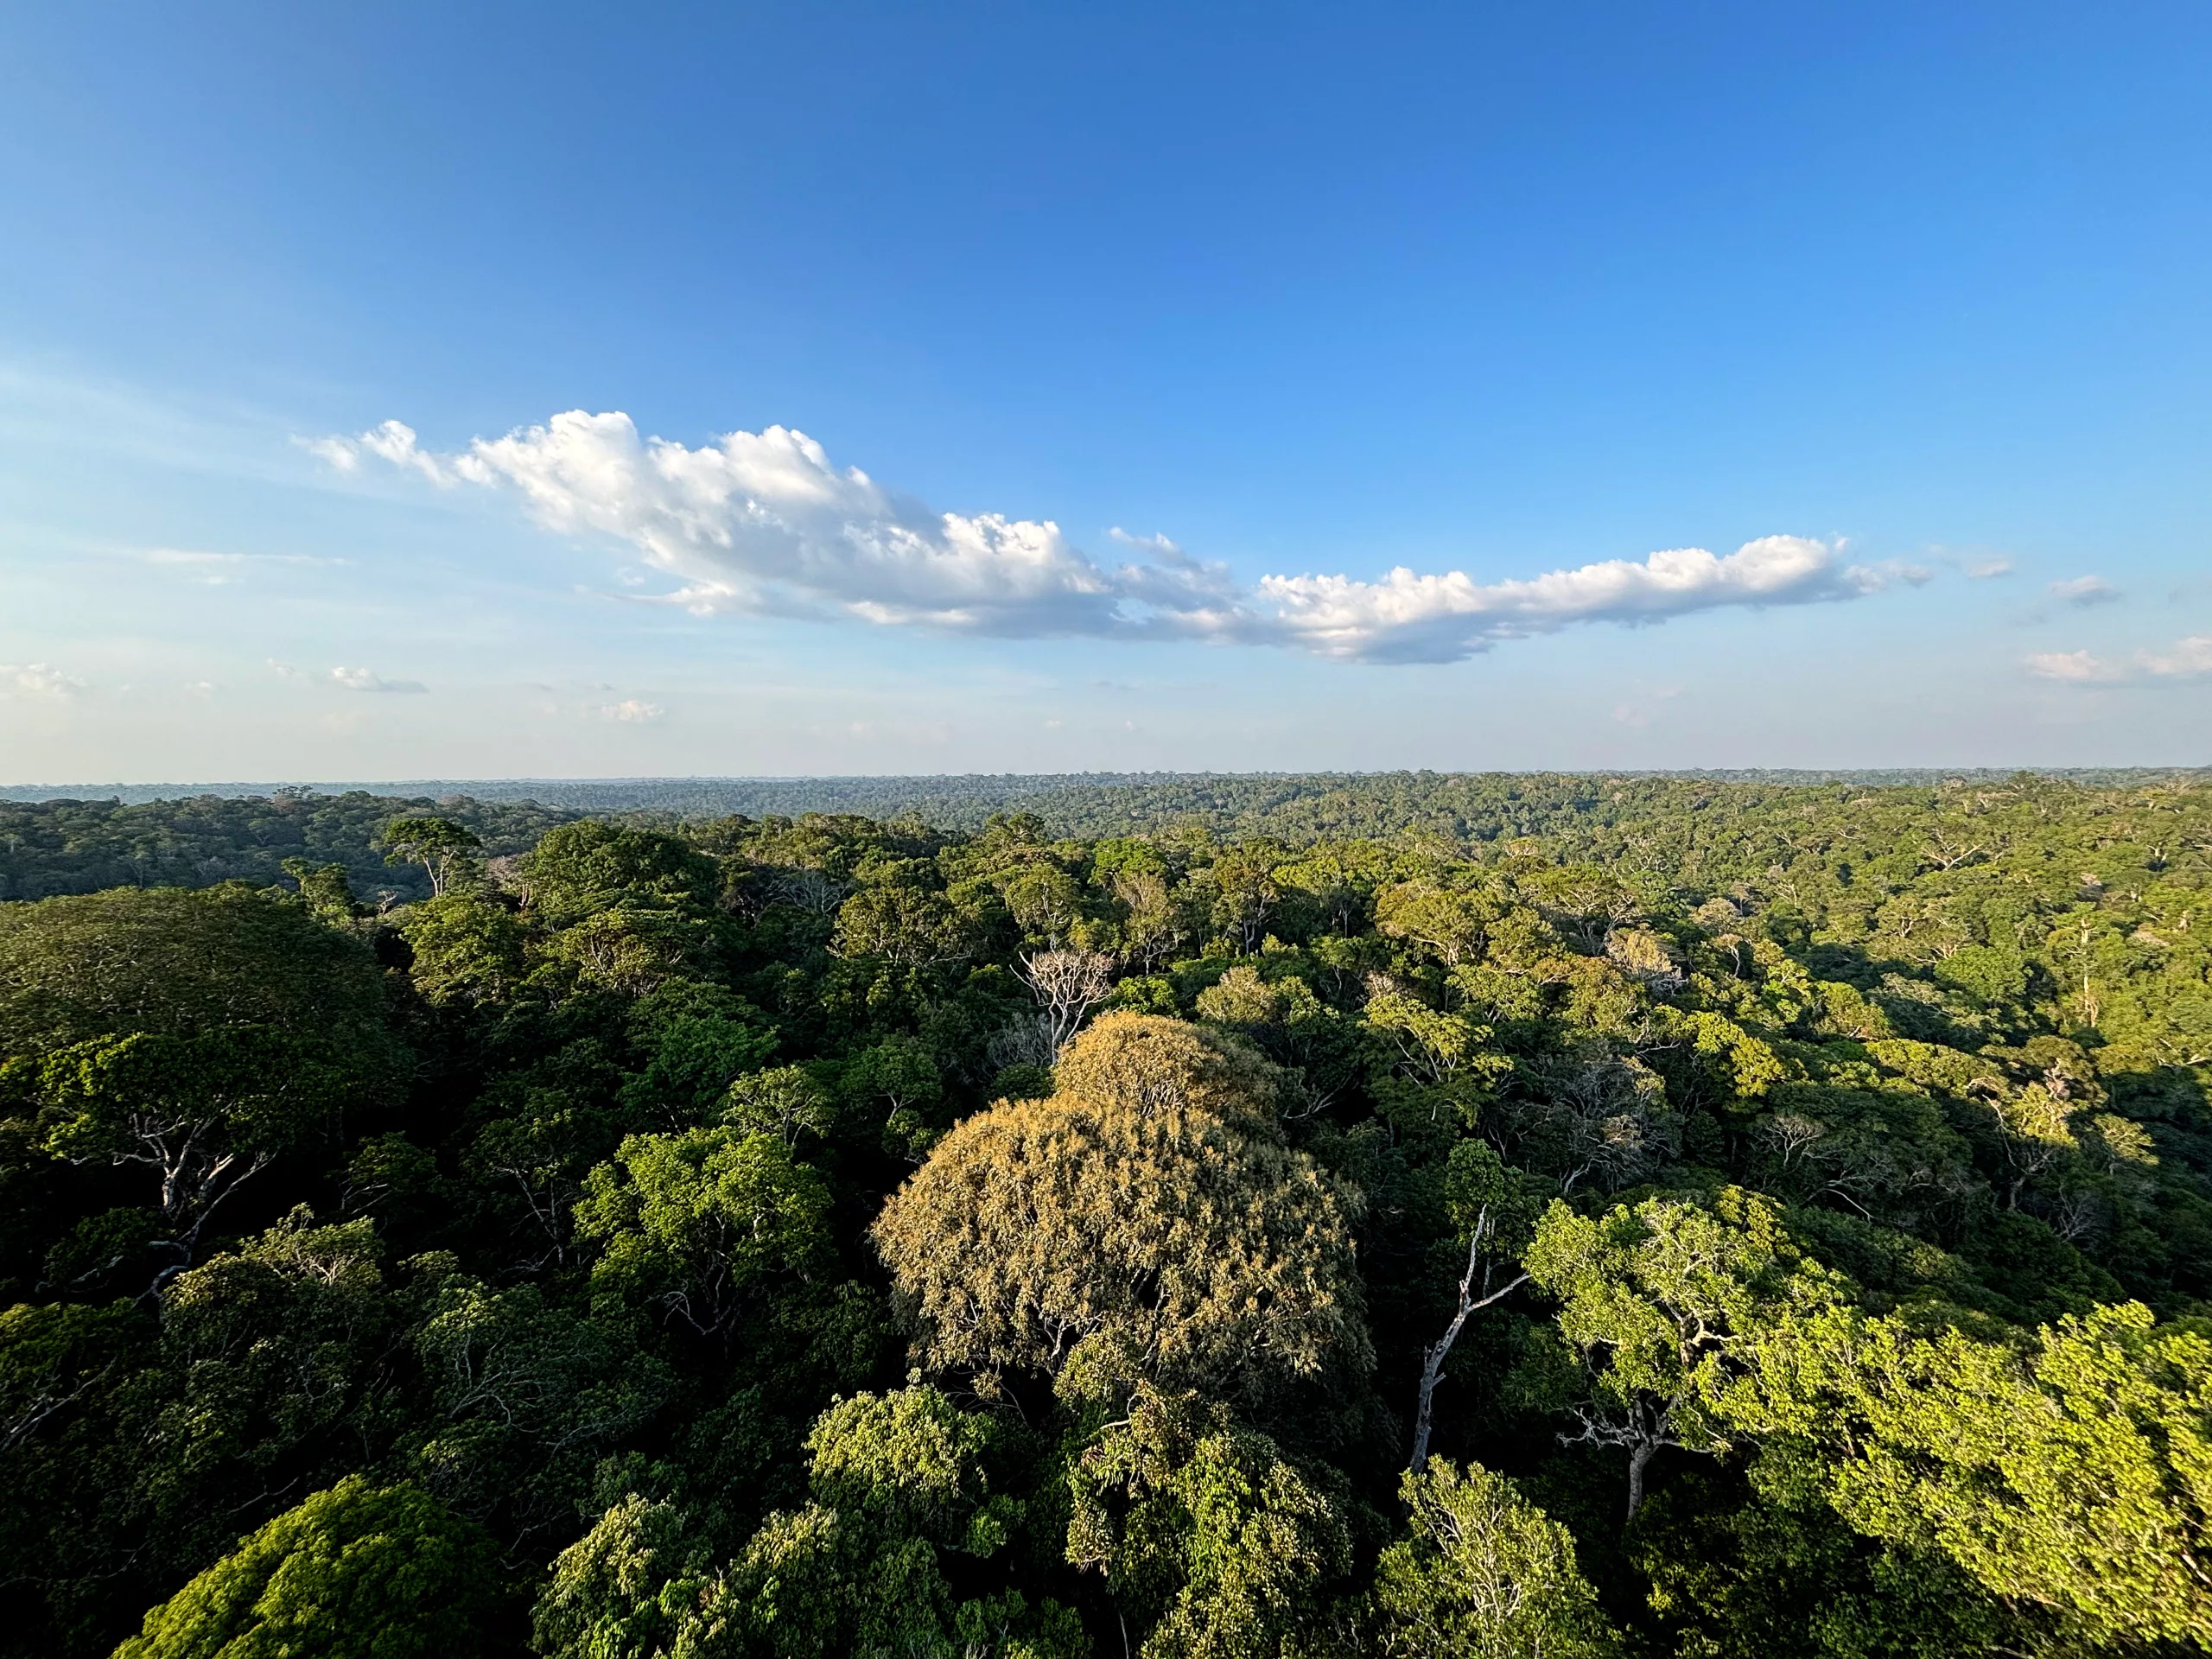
[(1638, 1455), (1432, 1367)]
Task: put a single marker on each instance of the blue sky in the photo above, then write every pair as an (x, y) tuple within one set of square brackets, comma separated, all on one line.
[(1161, 337)]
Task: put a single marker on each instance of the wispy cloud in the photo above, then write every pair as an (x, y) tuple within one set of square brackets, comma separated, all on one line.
[(1987, 569), (2084, 591), (392, 442), (2186, 660), (224, 570), (761, 523), (360, 679), (38, 682)]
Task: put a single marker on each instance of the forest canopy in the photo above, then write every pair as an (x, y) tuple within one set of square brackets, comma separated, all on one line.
[(1410, 1215)]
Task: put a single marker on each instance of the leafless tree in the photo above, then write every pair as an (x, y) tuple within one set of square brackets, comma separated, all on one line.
[(1067, 985), (1027, 1041), (1472, 1301)]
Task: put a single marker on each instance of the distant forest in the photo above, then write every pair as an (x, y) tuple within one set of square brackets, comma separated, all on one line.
[(142, 837), (1289, 805), (1195, 1217)]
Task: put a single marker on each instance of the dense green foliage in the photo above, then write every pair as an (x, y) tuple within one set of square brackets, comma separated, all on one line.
[(1786, 1210), (50, 847)]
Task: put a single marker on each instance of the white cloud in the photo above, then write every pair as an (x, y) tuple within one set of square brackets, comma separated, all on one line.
[(39, 681), (2084, 591), (2188, 659), (1988, 569), (2184, 660), (394, 442), (1410, 618), (631, 711), (2078, 667), (763, 523), (359, 679)]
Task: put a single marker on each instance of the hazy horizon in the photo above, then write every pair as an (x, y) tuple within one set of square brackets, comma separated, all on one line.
[(691, 793)]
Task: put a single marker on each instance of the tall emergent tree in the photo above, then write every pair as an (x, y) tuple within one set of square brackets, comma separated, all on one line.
[(1121, 1234)]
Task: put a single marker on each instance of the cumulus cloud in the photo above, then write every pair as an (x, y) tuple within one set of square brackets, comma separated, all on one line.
[(38, 682), (2084, 591), (631, 711), (2183, 661), (762, 523), (359, 679), (1410, 618)]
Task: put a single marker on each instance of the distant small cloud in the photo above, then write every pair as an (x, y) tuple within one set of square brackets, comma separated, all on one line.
[(1987, 569), (342, 454), (284, 670), (2186, 660), (201, 688), (2084, 591), (1155, 546), (631, 711), (359, 679), (2078, 667), (39, 681)]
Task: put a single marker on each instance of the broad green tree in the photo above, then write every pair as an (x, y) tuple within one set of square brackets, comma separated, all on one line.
[(174, 963), (467, 947), (697, 1040), (2069, 1473), (900, 1485), (1660, 1307), (527, 1396), (446, 850), (1487, 1574), (701, 1224), (356, 1572), (1211, 1543), (581, 869), (206, 1114)]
